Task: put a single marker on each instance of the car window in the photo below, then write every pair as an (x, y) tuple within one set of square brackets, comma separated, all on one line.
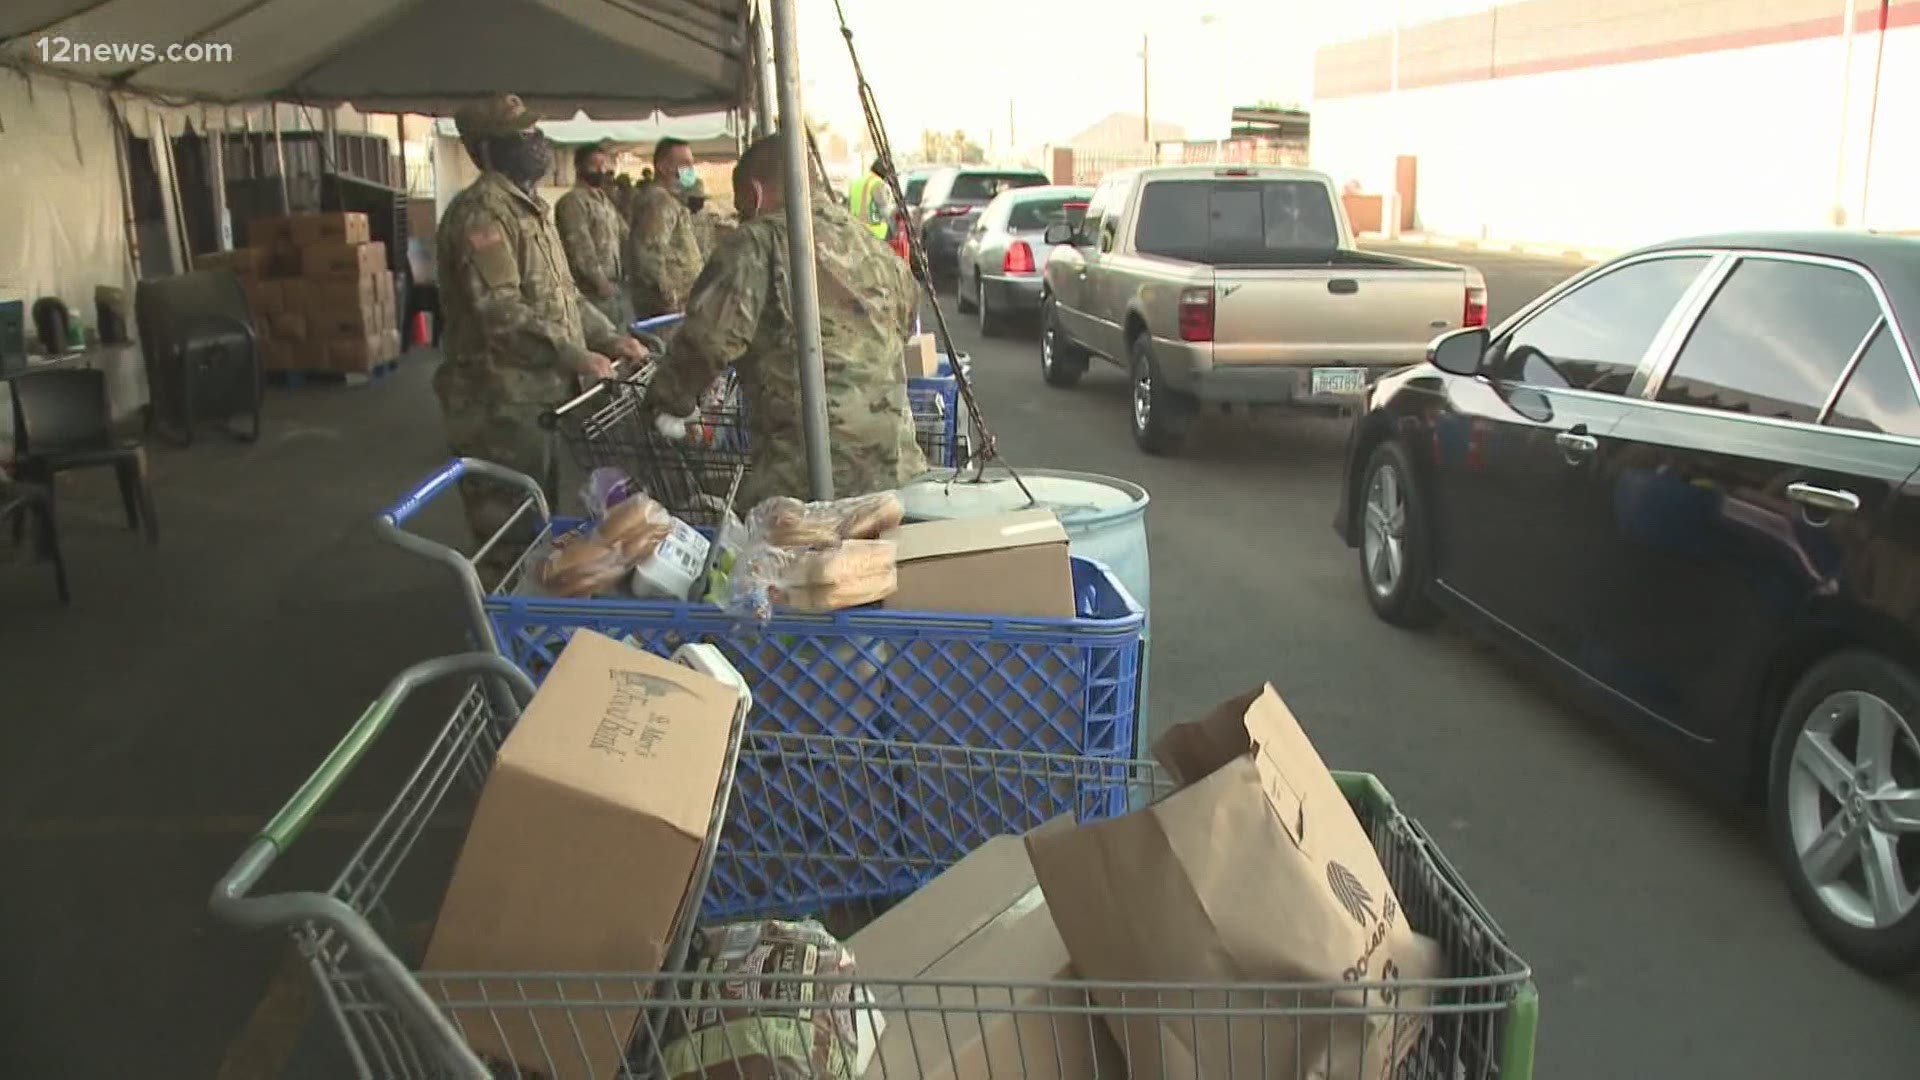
[(987, 185), (1593, 337), (1116, 206), (1035, 214), (1239, 221), (1097, 208), (936, 188), (1773, 340), (915, 186), (1879, 395)]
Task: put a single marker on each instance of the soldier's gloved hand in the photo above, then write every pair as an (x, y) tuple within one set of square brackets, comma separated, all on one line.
[(606, 290), (674, 427), (598, 367), (630, 350)]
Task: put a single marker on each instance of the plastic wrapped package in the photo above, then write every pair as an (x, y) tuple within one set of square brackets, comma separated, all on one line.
[(815, 556), (606, 488), (589, 563), (755, 1030)]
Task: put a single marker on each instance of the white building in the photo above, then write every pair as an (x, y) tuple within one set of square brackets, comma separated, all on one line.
[(1610, 123)]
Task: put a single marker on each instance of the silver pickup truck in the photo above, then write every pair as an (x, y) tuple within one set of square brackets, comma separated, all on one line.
[(1237, 285)]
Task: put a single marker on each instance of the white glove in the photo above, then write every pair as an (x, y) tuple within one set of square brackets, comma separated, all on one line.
[(674, 427)]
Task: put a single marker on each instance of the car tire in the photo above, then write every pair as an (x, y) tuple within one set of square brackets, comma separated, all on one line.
[(1822, 782), (962, 297), (1062, 363), (992, 323), (1395, 568), (1160, 415)]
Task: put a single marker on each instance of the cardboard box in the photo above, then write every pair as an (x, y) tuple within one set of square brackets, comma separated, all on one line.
[(340, 320), (295, 294), (308, 230), (582, 849), (278, 355), (340, 260), (246, 261), (288, 325), (1256, 871), (923, 356), (1007, 564), (985, 919), (358, 353), (393, 349), (265, 232), (263, 297)]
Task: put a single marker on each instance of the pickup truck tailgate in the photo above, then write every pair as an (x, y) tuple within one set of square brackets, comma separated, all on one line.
[(1332, 315)]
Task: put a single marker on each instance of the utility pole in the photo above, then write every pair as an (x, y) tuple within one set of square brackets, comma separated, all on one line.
[(1012, 138), (1146, 100)]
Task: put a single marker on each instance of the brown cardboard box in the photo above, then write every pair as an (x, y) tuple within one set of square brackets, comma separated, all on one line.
[(341, 260), (582, 850), (344, 292), (246, 261), (1007, 564), (923, 356), (1187, 890), (358, 353), (295, 294), (308, 230), (393, 344), (339, 320), (263, 297), (278, 355), (266, 232), (288, 325), (984, 920)]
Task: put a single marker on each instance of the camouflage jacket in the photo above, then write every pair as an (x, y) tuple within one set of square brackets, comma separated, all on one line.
[(593, 234), (709, 225), (741, 313), (663, 254), (516, 331)]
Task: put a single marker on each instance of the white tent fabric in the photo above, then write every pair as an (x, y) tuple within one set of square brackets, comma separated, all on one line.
[(710, 134), (616, 59)]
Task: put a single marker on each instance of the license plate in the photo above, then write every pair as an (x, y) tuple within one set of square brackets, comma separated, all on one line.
[(1338, 380)]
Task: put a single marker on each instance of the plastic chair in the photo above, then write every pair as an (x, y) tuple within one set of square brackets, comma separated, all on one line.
[(62, 422), (18, 504)]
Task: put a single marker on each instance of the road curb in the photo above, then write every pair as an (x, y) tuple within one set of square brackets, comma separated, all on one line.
[(1510, 247)]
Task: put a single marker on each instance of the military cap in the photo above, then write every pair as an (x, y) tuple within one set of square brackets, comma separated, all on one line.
[(501, 114)]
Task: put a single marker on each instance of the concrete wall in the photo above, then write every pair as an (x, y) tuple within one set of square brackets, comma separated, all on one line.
[(1611, 125)]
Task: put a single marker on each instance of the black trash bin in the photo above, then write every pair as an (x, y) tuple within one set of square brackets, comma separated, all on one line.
[(202, 354)]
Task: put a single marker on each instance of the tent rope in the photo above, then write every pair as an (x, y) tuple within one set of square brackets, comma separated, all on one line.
[(986, 448)]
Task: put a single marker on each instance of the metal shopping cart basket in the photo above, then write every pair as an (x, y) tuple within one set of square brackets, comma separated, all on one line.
[(1478, 1022)]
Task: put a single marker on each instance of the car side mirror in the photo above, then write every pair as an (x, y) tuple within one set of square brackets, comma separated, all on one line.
[(1059, 233), (1459, 352)]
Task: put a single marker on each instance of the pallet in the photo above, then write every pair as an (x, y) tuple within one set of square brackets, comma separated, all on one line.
[(294, 380)]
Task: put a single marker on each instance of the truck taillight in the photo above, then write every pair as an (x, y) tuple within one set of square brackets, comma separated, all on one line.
[(1019, 259), (1476, 313), (1196, 314)]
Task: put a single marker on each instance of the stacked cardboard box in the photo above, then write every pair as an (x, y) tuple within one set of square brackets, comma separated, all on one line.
[(321, 293)]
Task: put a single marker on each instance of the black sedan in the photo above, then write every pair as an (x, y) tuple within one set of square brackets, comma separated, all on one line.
[(1686, 481)]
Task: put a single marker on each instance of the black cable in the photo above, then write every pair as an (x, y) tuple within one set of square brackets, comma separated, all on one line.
[(987, 450)]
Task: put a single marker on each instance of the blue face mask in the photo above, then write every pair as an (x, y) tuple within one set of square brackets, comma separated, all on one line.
[(687, 176)]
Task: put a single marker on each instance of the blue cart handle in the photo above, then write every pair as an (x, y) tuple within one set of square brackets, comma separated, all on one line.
[(390, 524), (658, 322)]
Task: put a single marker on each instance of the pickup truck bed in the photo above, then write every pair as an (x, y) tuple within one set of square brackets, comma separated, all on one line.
[(1238, 285)]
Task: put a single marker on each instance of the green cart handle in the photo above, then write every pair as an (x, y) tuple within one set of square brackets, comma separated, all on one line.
[(231, 903)]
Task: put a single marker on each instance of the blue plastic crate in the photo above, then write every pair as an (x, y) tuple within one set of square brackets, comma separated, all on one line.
[(1061, 686)]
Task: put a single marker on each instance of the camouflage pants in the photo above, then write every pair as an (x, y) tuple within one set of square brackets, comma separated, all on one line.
[(618, 308), (508, 435)]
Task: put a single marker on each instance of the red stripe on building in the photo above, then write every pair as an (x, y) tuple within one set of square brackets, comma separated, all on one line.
[(1899, 16)]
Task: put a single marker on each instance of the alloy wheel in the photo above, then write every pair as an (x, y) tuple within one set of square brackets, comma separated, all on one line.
[(1384, 537), (1142, 396), (1853, 809)]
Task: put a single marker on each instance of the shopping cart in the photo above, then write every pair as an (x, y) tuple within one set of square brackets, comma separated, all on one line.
[(1478, 1022)]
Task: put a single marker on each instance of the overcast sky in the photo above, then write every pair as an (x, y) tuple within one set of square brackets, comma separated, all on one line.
[(1064, 65)]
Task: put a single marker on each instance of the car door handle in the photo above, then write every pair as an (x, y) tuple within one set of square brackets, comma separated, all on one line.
[(1343, 286), (1831, 500), (1577, 442)]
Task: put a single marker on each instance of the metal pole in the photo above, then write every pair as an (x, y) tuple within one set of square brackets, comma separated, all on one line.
[(280, 161), (217, 180), (763, 62), (1146, 102), (806, 284)]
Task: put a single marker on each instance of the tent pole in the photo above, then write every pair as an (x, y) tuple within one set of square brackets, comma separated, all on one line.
[(280, 160), (160, 145), (806, 283), (217, 180), (764, 79)]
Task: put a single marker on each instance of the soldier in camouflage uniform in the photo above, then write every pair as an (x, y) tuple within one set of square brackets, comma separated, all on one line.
[(594, 234), (741, 313), (517, 336), (663, 254)]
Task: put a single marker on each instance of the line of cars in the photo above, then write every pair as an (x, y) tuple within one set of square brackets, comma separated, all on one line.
[(1686, 481)]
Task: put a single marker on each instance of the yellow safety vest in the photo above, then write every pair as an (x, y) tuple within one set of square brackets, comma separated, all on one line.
[(867, 200)]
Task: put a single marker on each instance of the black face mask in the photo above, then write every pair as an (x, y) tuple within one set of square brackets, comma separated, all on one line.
[(695, 202), (523, 159), (597, 179)]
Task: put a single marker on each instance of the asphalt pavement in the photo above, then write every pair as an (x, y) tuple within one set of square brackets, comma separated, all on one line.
[(147, 731), (1662, 940)]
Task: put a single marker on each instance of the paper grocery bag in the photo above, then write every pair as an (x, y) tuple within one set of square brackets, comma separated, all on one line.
[(1256, 870)]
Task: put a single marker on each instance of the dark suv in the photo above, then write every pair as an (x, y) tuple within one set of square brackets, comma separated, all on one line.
[(952, 201), (1689, 481)]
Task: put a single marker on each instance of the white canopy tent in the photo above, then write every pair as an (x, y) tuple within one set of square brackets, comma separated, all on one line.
[(616, 59)]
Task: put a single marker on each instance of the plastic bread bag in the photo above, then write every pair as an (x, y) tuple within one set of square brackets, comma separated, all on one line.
[(582, 565), (790, 523), (606, 488), (758, 1029), (635, 525)]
